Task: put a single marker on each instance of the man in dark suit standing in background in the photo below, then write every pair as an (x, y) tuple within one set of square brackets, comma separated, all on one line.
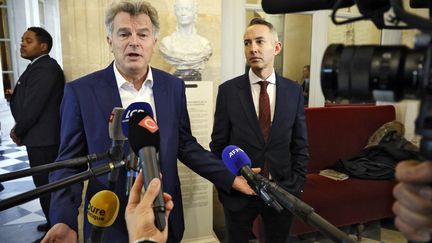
[(35, 106), (263, 114), (306, 82)]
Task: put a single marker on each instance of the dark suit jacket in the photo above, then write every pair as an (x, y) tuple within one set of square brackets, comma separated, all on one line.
[(85, 111), (35, 103), (236, 123)]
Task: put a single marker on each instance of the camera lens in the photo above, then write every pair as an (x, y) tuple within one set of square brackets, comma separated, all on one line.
[(366, 73)]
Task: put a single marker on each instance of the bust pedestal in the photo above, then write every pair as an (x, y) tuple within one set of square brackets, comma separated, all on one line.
[(188, 75)]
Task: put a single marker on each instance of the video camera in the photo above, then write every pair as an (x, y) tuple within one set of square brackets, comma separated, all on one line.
[(373, 72)]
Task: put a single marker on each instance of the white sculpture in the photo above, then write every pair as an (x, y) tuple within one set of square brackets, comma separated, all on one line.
[(184, 49)]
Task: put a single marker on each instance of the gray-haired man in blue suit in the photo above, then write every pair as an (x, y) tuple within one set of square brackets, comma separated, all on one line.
[(132, 34)]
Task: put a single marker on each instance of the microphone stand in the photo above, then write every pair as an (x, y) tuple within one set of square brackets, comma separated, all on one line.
[(80, 177), (301, 210), (54, 166), (116, 155), (132, 168)]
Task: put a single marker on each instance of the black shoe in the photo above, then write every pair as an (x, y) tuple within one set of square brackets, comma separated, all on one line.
[(43, 227)]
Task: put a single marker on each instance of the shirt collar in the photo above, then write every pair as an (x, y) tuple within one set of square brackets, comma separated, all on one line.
[(253, 78), (37, 58), (121, 81)]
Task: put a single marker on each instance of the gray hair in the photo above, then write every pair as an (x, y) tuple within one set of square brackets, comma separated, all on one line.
[(261, 21), (133, 8)]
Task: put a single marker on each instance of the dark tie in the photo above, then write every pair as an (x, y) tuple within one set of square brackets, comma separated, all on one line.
[(264, 110), (264, 118)]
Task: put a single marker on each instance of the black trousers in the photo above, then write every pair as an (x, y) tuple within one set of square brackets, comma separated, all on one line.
[(41, 156), (238, 224)]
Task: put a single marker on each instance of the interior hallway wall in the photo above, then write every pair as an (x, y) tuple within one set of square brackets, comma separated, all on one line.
[(85, 49)]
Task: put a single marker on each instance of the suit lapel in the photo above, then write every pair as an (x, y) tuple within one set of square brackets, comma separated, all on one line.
[(283, 97), (160, 99), (22, 80), (246, 100), (106, 92)]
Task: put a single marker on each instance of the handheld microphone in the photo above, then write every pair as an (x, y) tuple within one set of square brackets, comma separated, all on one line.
[(144, 139), (101, 213), (238, 163), (293, 6), (117, 137), (130, 111), (133, 166)]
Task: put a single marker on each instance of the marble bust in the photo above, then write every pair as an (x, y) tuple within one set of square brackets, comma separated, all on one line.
[(185, 49)]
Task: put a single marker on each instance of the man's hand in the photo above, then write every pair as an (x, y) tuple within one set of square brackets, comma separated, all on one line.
[(60, 233), (14, 137), (140, 219), (413, 206), (241, 185)]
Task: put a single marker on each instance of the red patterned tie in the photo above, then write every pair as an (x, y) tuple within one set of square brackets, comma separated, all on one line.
[(264, 118), (264, 110)]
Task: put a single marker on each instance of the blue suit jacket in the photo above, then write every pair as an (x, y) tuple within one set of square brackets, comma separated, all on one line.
[(286, 150), (86, 107)]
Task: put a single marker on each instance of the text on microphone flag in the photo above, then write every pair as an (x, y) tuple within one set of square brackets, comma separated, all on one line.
[(103, 208), (149, 124), (132, 109)]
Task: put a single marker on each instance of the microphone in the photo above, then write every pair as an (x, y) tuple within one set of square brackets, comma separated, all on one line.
[(132, 170), (237, 160), (117, 137), (101, 213), (238, 163), (293, 6), (132, 165), (132, 109), (70, 163), (62, 183), (144, 139)]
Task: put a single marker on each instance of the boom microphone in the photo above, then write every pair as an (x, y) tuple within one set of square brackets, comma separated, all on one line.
[(293, 6), (238, 163), (101, 213), (237, 160), (70, 163), (303, 211), (116, 134), (62, 183), (144, 139)]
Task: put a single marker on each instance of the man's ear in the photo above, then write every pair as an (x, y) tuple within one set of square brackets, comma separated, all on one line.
[(278, 47), (44, 47), (109, 41), (154, 46)]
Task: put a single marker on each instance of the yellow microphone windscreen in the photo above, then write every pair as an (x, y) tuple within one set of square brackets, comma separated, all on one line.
[(103, 208)]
